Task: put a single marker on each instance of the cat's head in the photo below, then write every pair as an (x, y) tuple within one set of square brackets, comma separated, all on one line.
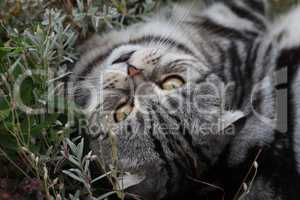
[(151, 101)]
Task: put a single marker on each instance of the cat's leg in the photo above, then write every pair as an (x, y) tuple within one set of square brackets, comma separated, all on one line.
[(278, 173), (281, 168), (285, 33)]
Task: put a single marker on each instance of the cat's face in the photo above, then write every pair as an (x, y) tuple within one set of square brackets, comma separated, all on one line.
[(156, 98)]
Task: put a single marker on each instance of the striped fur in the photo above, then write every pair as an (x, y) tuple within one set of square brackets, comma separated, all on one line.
[(229, 54)]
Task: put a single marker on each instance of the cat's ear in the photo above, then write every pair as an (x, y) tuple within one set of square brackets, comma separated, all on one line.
[(229, 118)]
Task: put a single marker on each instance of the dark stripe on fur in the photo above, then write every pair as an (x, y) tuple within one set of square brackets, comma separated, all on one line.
[(256, 5), (222, 31), (162, 40), (159, 149), (174, 144), (235, 65), (188, 138), (267, 57), (288, 58), (220, 66), (90, 66), (281, 86), (252, 55), (248, 15)]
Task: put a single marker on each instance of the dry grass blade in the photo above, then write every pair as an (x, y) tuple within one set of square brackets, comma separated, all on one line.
[(247, 182), (209, 185)]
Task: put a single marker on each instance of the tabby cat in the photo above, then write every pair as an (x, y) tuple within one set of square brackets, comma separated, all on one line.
[(197, 98)]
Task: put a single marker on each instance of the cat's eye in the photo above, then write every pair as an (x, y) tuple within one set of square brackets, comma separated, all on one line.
[(122, 112), (172, 82)]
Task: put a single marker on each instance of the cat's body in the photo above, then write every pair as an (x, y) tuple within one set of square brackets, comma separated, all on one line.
[(164, 87)]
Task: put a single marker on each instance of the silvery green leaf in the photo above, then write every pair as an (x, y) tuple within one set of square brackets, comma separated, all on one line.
[(101, 177), (104, 196), (72, 146), (74, 176), (80, 149), (80, 5), (92, 10), (77, 171), (72, 160), (86, 165), (129, 180)]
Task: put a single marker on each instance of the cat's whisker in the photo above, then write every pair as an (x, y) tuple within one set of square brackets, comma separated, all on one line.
[(175, 28)]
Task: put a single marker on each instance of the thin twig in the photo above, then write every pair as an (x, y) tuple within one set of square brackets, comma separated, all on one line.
[(209, 184), (13, 163), (253, 166)]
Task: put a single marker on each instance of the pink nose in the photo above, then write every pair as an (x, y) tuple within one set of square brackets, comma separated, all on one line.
[(132, 71)]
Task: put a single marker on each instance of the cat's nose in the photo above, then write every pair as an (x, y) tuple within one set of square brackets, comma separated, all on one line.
[(133, 71), (136, 75)]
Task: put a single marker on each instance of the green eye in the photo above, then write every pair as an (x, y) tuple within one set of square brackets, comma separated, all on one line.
[(122, 112), (172, 82)]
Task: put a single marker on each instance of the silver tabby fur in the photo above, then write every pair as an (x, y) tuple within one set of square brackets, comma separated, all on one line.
[(172, 135)]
